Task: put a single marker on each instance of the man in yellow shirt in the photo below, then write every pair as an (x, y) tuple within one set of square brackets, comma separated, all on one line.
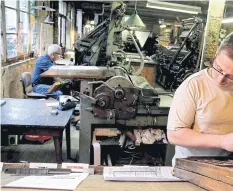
[(200, 121)]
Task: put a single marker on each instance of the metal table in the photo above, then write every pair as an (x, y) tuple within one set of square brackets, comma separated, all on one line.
[(33, 117)]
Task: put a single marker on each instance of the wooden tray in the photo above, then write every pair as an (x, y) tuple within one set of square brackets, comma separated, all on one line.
[(211, 173)]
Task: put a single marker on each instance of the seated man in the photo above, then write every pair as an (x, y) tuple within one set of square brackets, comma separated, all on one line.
[(42, 84), (200, 121)]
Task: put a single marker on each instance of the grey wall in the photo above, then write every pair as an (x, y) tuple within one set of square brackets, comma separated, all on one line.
[(10, 78)]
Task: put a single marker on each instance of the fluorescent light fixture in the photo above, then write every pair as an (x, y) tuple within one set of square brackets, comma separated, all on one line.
[(43, 8), (173, 7), (163, 26), (227, 20), (69, 51)]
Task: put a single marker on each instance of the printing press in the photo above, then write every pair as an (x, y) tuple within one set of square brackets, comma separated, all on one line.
[(121, 120)]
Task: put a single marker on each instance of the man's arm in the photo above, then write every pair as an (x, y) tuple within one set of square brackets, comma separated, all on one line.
[(190, 138), (181, 118)]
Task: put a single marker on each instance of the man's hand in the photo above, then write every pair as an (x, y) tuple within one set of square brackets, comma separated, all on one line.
[(58, 80), (226, 142)]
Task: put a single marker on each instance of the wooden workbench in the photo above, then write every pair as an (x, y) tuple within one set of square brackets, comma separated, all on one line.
[(97, 183)]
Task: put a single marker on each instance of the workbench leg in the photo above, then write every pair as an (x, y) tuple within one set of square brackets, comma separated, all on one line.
[(68, 147), (58, 147)]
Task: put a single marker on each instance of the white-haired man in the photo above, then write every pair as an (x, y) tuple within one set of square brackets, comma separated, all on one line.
[(42, 84), (200, 121)]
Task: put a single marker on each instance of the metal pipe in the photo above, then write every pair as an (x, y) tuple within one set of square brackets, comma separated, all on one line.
[(109, 160), (178, 52), (138, 72)]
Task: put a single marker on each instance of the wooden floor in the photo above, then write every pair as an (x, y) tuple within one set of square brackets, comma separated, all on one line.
[(39, 152)]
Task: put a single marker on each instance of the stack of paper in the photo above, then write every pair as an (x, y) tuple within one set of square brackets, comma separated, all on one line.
[(57, 182), (139, 173), (2, 102)]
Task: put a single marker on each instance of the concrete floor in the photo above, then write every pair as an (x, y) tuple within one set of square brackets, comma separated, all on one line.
[(40, 152)]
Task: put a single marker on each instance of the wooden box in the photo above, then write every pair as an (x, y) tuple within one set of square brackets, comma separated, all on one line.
[(211, 173)]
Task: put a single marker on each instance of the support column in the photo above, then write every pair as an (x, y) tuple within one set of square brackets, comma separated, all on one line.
[(55, 25), (212, 30)]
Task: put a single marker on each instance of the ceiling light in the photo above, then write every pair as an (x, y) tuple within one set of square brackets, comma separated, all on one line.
[(173, 7), (43, 8), (227, 20), (49, 20), (163, 26), (134, 20)]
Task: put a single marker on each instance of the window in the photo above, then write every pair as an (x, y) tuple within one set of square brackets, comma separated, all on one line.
[(33, 33), (11, 32), (11, 3), (32, 4), (1, 40), (63, 31), (62, 22), (23, 5), (20, 30), (24, 30), (11, 40), (62, 8)]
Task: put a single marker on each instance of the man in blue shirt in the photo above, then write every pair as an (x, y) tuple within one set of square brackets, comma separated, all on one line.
[(42, 84)]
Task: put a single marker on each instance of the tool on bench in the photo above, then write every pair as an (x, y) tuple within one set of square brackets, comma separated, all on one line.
[(36, 171)]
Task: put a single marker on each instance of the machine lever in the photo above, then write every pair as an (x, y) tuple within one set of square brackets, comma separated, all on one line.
[(102, 82), (88, 98)]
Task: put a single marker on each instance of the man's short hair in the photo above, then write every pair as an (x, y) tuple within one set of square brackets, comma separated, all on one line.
[(227, 45), (54, 48)]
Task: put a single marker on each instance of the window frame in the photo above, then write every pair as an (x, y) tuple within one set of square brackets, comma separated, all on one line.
[(21, 55), (62, 16)]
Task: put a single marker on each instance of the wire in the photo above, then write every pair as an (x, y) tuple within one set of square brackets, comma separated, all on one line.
[(135, 5), (131, 161), (126, 72)]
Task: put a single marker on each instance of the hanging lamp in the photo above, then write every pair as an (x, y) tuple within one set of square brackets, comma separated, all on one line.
[(134, 20)]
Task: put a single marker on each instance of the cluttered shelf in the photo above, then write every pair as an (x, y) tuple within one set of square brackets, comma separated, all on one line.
[(114, 142)]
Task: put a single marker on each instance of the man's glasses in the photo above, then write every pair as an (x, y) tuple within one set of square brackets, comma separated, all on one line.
[(225, 75)]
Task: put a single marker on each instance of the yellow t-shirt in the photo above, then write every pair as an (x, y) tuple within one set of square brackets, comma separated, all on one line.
[(199, 104)]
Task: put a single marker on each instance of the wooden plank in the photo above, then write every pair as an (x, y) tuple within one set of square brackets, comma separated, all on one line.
[(82, 72), (109, 132), (202, 181), (149, 72), (210, 170)]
